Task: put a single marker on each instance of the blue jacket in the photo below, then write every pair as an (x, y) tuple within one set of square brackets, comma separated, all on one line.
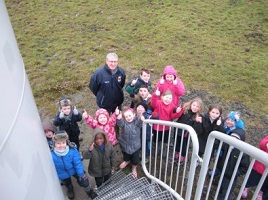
[(68, 165), (107, 87)]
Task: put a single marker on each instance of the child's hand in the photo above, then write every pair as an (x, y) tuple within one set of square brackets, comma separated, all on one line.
[(178, 109), (85, 115), (119, 116), (142, 118), (61, 116), (219, 122), (267, 145), (91, 147), (157, 92), (162, 80), (134, 82), (198, 119), (237, 117), (75, 111), (117, 111), (112, 171), (175, 82)]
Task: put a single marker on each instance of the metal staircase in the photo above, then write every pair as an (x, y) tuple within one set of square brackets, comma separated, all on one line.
[(121, 186)]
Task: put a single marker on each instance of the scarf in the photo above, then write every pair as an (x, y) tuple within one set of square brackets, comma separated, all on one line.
[(102, 147), (62, 152)]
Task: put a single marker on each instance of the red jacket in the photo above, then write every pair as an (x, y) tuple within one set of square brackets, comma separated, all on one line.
[(258, 166), (177, 90), (165, 111)]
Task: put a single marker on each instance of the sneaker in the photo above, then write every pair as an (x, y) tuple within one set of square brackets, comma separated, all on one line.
[(70, 193), (245, 193), (259, 196), (92, 194)]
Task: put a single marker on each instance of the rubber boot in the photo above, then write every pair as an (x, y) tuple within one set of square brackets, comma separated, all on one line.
[(70, 193)]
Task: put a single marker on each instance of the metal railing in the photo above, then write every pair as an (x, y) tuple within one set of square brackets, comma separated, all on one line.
[(186, 180)]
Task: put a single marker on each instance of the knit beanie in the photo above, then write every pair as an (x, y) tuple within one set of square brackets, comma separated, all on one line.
[(144, 104)]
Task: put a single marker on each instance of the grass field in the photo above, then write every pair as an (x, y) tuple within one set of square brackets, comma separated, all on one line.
[(216, 46)]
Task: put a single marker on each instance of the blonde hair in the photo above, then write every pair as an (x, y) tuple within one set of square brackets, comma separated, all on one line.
[(187, 105), (167, 92), (125, 109)]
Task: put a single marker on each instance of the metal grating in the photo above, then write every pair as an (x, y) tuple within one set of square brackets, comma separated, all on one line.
[(146, 192), (165, 195)]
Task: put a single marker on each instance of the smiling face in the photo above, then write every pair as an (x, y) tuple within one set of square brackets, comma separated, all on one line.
[(102, 119), (167, 99), (49, 133), (129, 116), (112, 62), (99, 139), (229, 122), (195, 107), (169, 78), (145, 76), (60, 145), (214, 114), (140, 110), (66, 110)]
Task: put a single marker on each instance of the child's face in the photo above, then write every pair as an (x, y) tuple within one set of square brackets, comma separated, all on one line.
[(49, 133), (143, 93), (129, 116), (66, 110), (60, 145), (99, 140), (229, 122), (167, 99), (140, 109), (145, 77), (169, 77), (214, 113), (102, 119), (195, 107)]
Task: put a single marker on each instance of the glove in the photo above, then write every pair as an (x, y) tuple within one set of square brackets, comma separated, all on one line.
[(61, 116), (75, 111), (132, 95), (83, 178)]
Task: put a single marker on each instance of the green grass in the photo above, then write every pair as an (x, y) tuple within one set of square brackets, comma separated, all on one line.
[(217, 46)]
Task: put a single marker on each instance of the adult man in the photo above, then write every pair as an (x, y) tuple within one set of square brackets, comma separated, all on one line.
[(107, 83)]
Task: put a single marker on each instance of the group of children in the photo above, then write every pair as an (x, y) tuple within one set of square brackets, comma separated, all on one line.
[(161, 103)]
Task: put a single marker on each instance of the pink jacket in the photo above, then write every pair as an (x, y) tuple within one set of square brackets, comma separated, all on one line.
[(108, 128), (258, 166), (165, 112), (177, 90)]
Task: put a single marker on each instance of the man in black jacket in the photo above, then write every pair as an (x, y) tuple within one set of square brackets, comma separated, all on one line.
[(107, 82)]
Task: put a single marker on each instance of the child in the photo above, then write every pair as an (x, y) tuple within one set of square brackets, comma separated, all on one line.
[(67, 162), (67, 118), (103, 121), (130, 140), (171, 81), (211, 121), (144, 79), (232, 160), (165, 108), (50, 131), (191, 115), (143, 95), (256, 174), (233, 121), (102, 157)]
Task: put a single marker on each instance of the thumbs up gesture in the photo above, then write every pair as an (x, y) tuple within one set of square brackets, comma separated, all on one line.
[(117, 111), (85, 115), (175, 82), (162, 80), (157, 92), (134, 82)]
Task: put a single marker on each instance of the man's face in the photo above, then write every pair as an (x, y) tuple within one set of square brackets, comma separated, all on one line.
[(112, 63)]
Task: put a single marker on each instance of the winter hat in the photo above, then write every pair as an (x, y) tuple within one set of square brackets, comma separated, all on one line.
[(144, 104), (60, 136), (47, 125), (239, 134), (101, 111), (64, 102), (232, 114)]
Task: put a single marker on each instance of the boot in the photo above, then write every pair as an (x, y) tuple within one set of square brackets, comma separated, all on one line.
[(70, 193), (92, 194)]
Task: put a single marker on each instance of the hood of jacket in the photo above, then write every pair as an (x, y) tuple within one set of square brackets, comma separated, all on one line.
[(101, 111), (170, 70), (47, 125)]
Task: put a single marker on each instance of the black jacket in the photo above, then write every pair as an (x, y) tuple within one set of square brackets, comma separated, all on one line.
[(107, 87)]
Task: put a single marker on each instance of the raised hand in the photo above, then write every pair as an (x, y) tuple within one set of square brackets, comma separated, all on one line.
[(134, 82), (75, 111), (157, 92), (162, 80), (91, 147), (85, 115), (175, 82)]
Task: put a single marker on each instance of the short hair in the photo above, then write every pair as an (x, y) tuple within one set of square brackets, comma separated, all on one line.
[(144, 86), (111, 55), (145, 70), (216, 106)]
